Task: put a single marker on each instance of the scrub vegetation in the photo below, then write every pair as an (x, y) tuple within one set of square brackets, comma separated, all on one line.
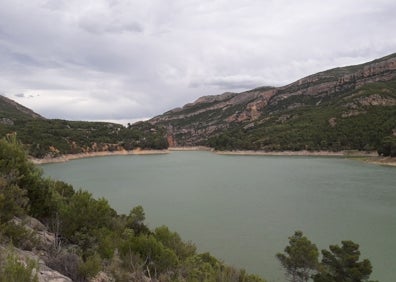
[(350, 121)]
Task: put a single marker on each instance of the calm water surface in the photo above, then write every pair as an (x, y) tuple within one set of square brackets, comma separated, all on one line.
[(243, 208)]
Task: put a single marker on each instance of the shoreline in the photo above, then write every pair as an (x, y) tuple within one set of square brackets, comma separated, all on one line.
[(70, 157), (384, 161), (367, 157), (285, 153), (191, 148)]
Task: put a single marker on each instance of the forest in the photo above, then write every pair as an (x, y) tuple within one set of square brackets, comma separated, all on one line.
[(52, 138)]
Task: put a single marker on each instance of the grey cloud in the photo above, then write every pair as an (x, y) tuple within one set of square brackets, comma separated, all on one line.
[(228, 83), (97, 26), (23, 95), (120, 59)]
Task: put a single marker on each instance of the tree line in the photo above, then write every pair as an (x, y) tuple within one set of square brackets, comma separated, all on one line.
[(42, 137)]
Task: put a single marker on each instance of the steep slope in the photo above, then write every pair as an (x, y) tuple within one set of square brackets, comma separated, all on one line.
[(10, 111), (343, 108)]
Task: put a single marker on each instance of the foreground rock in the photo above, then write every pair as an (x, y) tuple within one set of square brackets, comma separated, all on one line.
[(44, 273), (41, 241)]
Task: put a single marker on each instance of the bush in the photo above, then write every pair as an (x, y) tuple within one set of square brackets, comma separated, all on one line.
[(90, 267), (16, 271), (388, 147), (18, 235), (157, 257), (68, 264), (13, 200)]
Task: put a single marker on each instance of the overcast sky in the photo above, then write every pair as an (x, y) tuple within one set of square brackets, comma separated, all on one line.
[(131, 59)]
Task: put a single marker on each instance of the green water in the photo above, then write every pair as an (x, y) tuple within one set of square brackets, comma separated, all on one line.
[(243, 208)]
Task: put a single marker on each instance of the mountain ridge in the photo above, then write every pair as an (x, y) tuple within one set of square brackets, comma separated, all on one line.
[(345, 108), (336, 90)]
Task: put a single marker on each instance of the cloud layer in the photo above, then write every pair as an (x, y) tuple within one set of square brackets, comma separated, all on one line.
[(128, 59)]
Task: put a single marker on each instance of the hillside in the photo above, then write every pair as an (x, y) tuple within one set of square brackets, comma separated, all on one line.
[(54, 137), (11, 111), (348, 108)]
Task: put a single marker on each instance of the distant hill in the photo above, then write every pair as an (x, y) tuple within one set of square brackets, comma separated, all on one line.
[(54, 137), (348, 108), (11, 111)]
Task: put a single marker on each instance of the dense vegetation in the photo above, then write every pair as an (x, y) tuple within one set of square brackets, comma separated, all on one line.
[(341, 264), (356, 119), (89, 235), (46, 137)]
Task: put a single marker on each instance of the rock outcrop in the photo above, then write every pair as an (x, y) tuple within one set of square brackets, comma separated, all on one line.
[(43, 241), (209, 115)]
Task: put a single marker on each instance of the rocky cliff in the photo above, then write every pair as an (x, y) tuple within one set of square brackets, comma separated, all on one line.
[(209, 116)]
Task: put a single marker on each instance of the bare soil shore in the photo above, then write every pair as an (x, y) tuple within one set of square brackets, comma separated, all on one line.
[(69, 157), (301, 153), (369, 157), (191, 148), (388, 161)]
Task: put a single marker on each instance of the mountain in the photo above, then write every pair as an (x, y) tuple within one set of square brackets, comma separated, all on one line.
[(348, 108), (343, 108), (11, 111), (55, 137)]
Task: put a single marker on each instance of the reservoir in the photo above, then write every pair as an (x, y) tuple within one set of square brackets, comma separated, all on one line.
[(242, 209)]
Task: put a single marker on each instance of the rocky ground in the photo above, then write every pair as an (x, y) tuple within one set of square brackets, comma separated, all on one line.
[(39, 251)]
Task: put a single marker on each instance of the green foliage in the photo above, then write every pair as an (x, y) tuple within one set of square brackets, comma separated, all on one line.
[(13, 200), (135, 221), (18, 171), (155, 255), (14, 164), (173, 241), (45, 137), (106, 242), (388, 147), (204, 267), (341, 264), (90, 267), (18, 235), (308, 128), (300, 258), (13, 270), (92, 214)]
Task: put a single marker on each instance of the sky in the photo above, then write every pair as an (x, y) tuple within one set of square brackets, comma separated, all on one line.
[(128, 60)]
